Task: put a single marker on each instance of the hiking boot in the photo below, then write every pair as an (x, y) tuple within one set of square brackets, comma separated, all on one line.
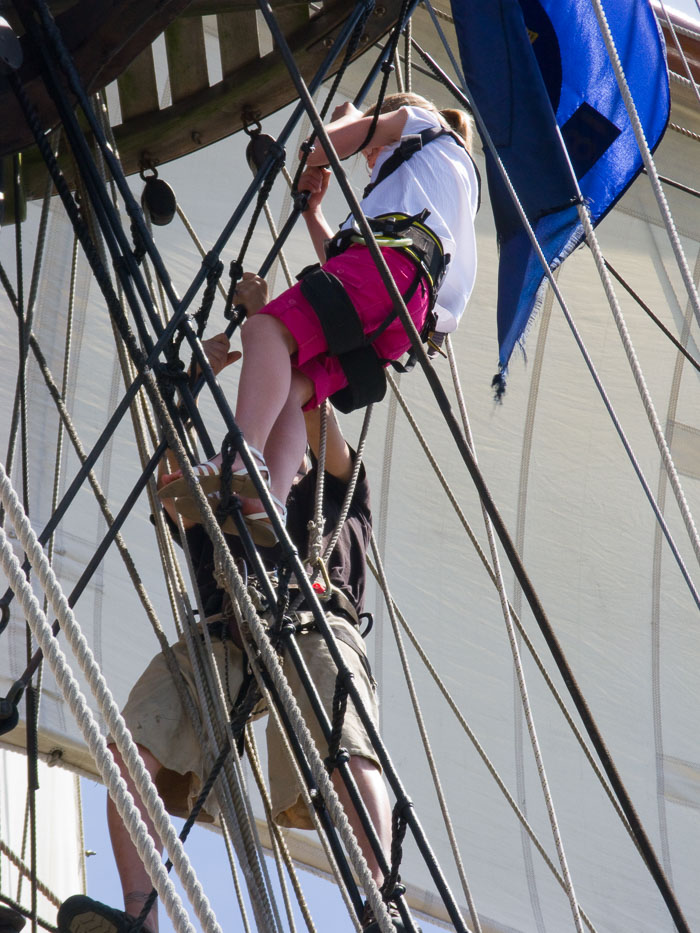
[(81, 914)]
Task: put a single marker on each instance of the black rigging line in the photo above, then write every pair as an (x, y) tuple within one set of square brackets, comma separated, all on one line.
[(643, 842), (686, 189), (102, 548), (8, 705), (18, 908), (659, 323), (100, 274), (304, 583), (288, 636)]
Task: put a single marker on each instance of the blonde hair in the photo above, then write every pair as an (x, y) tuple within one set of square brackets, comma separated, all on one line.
[(457, 120)]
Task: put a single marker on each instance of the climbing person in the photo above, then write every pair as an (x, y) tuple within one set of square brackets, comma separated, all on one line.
[(330, 335), (159, 724)]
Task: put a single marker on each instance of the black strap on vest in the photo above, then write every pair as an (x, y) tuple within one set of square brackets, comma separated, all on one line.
[(346, 340), (345, 336), (408, 147)]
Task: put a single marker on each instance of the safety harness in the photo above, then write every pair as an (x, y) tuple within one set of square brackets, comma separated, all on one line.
[(341, 324)]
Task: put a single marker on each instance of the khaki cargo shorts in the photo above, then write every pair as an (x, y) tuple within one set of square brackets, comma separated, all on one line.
[(158, 721)]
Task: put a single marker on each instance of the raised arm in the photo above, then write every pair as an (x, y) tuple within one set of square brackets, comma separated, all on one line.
[(339, 462), (348, 131), (315, 181)]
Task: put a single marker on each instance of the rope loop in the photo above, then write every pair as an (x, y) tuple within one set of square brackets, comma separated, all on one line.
[(391, 889), (171, 374), (139, 250), (336, 754), (235, 271), (201, 316)]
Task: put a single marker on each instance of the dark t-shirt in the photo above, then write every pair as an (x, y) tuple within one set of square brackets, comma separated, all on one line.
[(346, 566)]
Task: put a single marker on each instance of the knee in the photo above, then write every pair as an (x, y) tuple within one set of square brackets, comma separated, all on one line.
[(263, 329)]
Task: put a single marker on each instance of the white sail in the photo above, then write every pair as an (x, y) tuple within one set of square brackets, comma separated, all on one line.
[(569, 496), (60, 851)]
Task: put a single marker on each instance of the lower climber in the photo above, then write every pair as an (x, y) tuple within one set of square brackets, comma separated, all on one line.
[(169, 744)]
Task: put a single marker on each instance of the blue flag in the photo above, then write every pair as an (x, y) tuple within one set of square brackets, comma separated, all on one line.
[(538, 71)]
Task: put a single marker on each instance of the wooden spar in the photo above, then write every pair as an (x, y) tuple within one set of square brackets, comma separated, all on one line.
[(114, 42)]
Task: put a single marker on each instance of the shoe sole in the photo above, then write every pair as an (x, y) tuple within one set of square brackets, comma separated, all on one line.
[(242, 485), (90, 922), (81, 917)]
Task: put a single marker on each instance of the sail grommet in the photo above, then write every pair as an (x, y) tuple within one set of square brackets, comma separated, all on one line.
[(157, 198)]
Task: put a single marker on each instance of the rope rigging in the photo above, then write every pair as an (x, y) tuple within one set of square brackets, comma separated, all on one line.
[(162, 391)]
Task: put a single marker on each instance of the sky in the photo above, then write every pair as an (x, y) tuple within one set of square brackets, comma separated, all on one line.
[(689, 7), (205, 848), (207, 853)]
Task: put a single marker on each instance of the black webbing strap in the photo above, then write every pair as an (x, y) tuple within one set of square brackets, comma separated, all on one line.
[(408, 147), (336, 313), (345, 337)]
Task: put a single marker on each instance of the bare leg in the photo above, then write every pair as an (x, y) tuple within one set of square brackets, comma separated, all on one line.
[(374, 795), (135, 881), (287, 442), (266, 377)]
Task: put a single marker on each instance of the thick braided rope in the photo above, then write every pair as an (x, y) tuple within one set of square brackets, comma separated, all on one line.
[(315, 525), (350, 491), (471, 735), (301, 783), (231, 797), (234, 584), (648, 159), (420, 721), (112, 718), (679, 49), (277, 852), (234, 876), (592, 241), (91, 733), (275, 832), (522, 685), (684, 132)]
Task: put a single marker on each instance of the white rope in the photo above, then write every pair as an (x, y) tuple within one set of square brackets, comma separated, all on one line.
[(520, 674), (228, 573), (275, 832), (217, 723), (305, 795), (315, 524), (644, 393), (477, 744), (679, 49), (648, 160), (586, 356), (420, 721), (110, 713)]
